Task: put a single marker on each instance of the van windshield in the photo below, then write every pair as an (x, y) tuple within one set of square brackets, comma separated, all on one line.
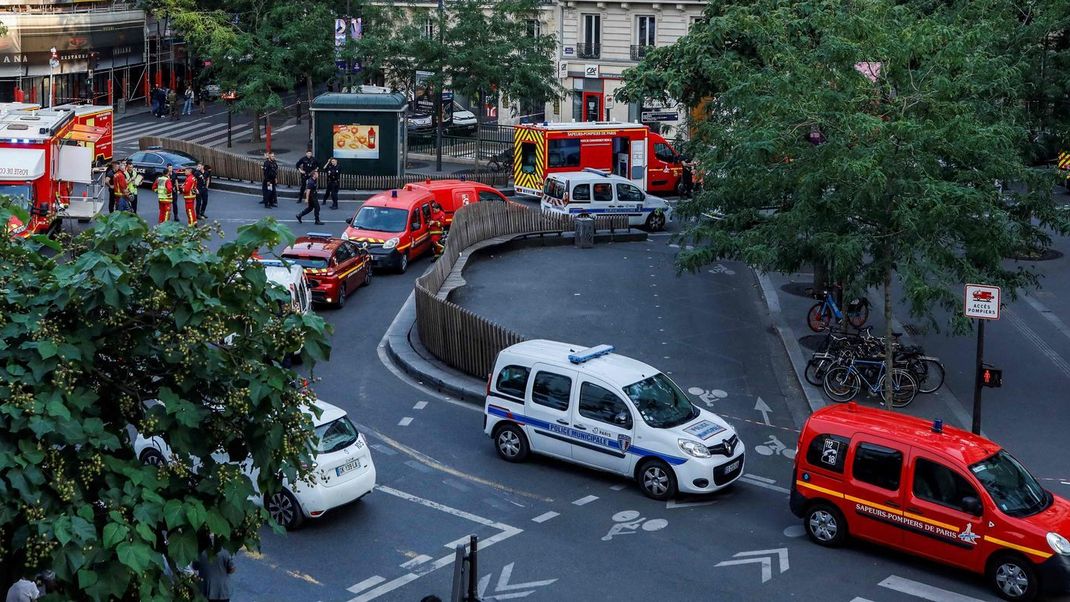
[(381, 219), (1015, 492), (660, 402)]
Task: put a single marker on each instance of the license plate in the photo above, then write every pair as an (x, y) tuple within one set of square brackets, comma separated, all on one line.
[(341, 470), (731, 467)]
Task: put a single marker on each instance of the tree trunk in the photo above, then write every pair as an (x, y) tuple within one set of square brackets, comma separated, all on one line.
[(255, 137), (821, 276), (888, 343)]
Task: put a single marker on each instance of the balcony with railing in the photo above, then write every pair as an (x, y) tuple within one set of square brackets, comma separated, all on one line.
[(588, 51), (640, 50)]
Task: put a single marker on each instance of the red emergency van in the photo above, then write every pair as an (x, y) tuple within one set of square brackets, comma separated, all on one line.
[(934, 491), (395, 226), (630, 150), (451, 195)]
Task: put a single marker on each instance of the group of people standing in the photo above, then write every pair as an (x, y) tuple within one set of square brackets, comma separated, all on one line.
[(309, 173), (123, 181), (166, 102)]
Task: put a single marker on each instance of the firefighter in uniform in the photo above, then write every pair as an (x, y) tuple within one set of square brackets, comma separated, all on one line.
[(189, 194), (305, 167), (437, 227), (166, 193), (334, 175)]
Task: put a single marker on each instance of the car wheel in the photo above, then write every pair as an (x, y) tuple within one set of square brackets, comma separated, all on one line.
[(656, 221), (283, 507), (403, 264), (1013, 578), (657, 480), (152, 457), (825, 525), (511, 443), (341, 296)]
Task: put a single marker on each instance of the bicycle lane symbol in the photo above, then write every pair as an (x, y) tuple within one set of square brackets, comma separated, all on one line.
[(775, 447), (708, 397), (628, 522)]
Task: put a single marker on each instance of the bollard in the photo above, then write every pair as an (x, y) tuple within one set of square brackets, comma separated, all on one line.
[(584, 231)]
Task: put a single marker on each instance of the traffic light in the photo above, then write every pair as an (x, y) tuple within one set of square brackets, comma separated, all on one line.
[(991, 377)]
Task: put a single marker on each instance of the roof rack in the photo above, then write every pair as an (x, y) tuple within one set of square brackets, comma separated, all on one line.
[(602, 172), (590, 353)]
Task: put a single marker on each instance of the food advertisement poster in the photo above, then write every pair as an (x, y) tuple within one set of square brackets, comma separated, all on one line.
[(356, 141)]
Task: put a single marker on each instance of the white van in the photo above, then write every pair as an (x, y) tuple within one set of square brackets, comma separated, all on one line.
[(603, 410), (291, 277), (598, 192)]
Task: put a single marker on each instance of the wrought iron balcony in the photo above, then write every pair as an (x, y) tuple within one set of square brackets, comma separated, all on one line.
[(588, 51), (641, 50)]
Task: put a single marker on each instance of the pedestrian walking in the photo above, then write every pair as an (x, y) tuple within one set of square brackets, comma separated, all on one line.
[(165, 193), (172, 104), (437, 227), (270, 181), (155, 97), (304, 168), (133, 181), (189, 195), (334, 176), (187, 108), (201, 98), (203, 184), (215, 571), (119, 189), (310, 198), (109, 183)]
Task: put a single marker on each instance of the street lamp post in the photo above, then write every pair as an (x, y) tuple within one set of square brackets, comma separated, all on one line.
[(52, 64)]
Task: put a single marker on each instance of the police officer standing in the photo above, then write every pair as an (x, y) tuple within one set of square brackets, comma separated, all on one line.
[(334, 175), (271, 181), (304, 169), (202, 175), (309, 190)]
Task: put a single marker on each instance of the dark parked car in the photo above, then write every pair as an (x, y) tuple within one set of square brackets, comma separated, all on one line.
[(153, 162)]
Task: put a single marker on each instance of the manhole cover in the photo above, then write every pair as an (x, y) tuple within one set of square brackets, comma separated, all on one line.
[(1038, 255), (813, 342), (800, 289)]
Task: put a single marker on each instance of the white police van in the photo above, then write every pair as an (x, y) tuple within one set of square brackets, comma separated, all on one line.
[(598, 192), (603, 410)]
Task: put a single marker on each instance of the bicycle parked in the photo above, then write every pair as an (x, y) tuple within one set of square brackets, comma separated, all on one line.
[(840, 347), (821, 315), (844, 382)]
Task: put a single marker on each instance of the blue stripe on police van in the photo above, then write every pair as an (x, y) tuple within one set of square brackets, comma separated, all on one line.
[(581, 436), (628, 211)]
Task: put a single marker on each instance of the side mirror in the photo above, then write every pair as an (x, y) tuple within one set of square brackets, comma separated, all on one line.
[(971, 505), (349, 221)]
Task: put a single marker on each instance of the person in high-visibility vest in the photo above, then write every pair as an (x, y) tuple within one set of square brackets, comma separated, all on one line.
[(437, 227), (164, 190), (189, 194), (133, 180)]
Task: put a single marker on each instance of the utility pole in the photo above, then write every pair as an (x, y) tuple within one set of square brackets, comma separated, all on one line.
[(52, 64), (439, 88)]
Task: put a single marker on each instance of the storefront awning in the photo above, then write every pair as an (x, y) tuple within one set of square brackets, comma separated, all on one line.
[(21, 164)]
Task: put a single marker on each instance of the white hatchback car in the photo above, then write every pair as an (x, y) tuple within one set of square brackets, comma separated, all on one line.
[(344, 469)]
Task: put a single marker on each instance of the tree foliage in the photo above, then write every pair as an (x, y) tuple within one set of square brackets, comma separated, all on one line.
[(123, 314), (914, 166), (486, 48)]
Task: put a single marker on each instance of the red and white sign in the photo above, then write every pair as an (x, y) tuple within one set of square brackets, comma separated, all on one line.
[(982, 302)]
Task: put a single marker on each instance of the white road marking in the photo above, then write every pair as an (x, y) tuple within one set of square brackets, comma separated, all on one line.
[(420, 405), (1040, 344), (406, 421), (1047, 314), (923, 591), (857, 599), (618, 487), (673, 504), (545, 516), (585, 500), (363, 585), (764, 485), (422, 558), (758, 478), (763, 408)]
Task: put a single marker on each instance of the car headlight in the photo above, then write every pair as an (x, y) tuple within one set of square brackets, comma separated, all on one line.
[(1059, 544), (390, 244), (693, 448)]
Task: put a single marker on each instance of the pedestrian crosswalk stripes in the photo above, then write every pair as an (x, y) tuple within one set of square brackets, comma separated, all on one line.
[(199, 131)]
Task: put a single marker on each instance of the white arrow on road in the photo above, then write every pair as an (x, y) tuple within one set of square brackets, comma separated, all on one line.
[(764, 408), (763, 557), (504, 590)]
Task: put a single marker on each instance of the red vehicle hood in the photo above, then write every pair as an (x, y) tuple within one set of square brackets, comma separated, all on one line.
[(370, 236), (1056, 518)]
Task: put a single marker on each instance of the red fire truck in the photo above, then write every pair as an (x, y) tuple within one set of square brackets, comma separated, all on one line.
[(630, 150), (95, 124), (43, 154)]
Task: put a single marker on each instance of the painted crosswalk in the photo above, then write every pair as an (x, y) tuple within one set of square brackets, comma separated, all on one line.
[(200, 130)]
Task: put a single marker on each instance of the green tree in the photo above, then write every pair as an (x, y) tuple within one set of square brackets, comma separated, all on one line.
[(915, 168), (123, 314), (1043, 40)]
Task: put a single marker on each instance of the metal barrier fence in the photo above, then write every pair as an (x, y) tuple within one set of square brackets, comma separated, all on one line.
[(455, 335), (226, 164), (489, 141)]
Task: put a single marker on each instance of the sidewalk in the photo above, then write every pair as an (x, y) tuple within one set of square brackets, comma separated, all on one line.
[(788, 302)]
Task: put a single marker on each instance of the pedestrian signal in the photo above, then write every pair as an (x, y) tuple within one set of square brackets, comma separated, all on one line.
[(991, 377)]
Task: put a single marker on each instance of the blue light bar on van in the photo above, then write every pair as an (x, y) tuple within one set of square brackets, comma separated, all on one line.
[(272, 262), (319, 235), (590, 353), (602, 172)]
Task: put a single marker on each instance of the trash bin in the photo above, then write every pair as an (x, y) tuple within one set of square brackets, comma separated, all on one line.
[(585, 232)]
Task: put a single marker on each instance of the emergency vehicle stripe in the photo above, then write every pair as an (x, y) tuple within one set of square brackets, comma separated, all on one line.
[(819, 489), (1014, 546), (522, 179), (931, 522), (401, 248), (888, 509), (1064, 160)]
